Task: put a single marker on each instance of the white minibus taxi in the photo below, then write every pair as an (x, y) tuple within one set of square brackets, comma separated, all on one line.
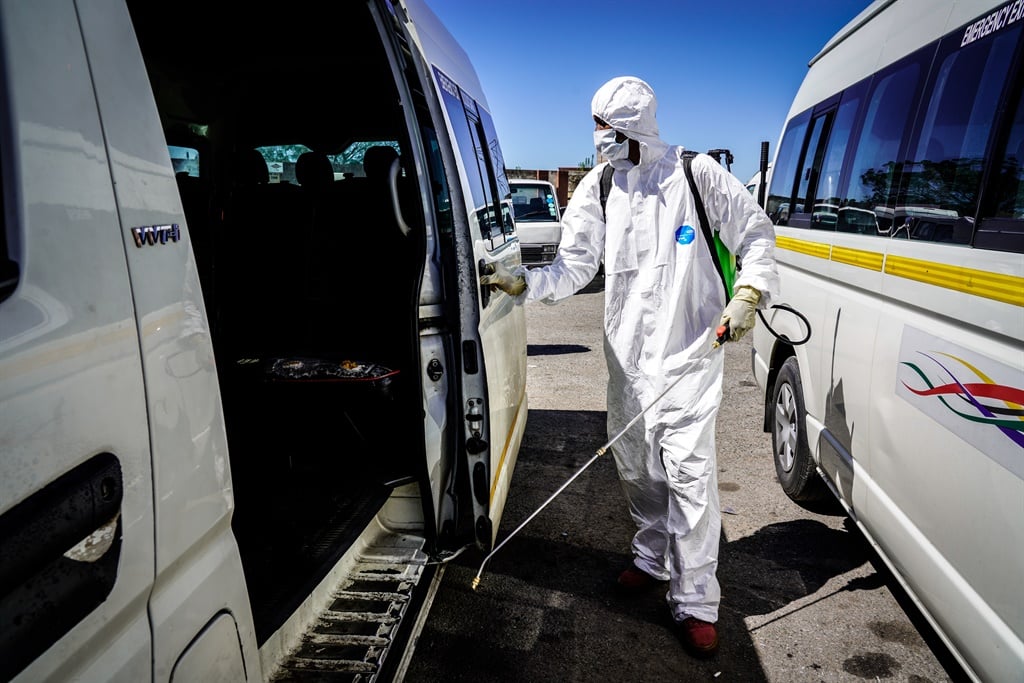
[(252, 395), (898, 194)]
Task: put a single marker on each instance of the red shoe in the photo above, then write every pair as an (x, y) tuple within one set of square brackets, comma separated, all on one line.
[(700, 638), (633, 580)]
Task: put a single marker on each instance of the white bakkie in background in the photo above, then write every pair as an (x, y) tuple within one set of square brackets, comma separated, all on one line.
[(538, 220)]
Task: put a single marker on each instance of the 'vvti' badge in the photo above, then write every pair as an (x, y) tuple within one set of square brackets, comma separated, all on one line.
[(156, 234)]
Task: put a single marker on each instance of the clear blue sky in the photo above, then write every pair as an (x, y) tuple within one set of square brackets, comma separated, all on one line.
[(724, 73)]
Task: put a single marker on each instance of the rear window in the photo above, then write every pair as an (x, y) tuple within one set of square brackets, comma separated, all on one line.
[(185, 160), (348, 163)]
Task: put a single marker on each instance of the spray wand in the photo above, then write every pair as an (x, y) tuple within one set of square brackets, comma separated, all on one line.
[(722, 335), (600, 451)]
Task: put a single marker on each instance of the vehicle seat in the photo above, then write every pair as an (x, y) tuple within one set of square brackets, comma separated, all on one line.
[(250, 169), (360, 267), (259, 263), (314, 172), (377, 161), (538, 207)]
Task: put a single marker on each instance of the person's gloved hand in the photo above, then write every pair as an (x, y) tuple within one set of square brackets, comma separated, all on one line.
[(504, 279), (739, 312)]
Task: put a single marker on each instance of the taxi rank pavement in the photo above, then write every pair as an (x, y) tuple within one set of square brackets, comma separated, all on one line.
[(803, 596)]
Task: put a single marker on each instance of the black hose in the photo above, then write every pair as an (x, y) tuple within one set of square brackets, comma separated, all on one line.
[(782, 337)]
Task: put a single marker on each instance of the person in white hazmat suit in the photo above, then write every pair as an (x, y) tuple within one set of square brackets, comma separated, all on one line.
[(663, 300)]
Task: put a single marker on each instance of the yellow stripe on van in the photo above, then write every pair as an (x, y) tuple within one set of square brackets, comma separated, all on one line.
[(803, 246), (872, 260), (508, 442), (1006, 288)]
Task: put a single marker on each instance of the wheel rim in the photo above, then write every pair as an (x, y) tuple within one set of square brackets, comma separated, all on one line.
[(785, 428)]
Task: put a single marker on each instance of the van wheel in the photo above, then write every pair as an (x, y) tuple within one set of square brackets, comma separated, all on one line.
[(793, 462)]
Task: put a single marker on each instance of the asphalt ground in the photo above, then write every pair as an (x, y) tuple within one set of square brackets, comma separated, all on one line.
[(804, 598)]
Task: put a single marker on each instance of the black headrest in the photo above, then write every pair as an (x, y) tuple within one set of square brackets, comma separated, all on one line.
[(377, 161), (314, 170), (251, 168)]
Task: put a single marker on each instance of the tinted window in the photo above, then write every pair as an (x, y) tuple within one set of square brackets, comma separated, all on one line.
[(830, 176), (943, 175), (185, 160), (349, 163), (780, 192), (824, 216), (875, 169), (1002, 227), (488, 213), (496, 163), (463, 137), (479, 160), (438, 181), (281, 160), (1010, 186)]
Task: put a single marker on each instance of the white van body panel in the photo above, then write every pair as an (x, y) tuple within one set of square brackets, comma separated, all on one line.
[(197, 571), (116, 386), (898, 325), (509, 403), (72, 383)]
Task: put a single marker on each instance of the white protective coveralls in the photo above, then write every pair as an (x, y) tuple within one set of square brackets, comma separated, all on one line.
[(663, 299)]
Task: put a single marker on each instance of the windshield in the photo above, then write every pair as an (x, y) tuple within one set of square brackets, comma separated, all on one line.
[(534, 203), (281, 159)]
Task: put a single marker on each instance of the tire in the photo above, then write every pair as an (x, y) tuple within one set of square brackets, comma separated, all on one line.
[(794, 465)]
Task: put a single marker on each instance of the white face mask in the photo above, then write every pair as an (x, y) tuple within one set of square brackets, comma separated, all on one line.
[(604, 141)]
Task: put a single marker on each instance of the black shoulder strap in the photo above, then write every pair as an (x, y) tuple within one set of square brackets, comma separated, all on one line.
[(702, 214), (606, 184)]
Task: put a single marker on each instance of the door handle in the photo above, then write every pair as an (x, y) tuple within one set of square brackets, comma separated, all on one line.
[(46, 588), (484, 268)]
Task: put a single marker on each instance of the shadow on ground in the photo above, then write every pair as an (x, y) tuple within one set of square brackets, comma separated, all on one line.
[(555, 349), (546, 608)]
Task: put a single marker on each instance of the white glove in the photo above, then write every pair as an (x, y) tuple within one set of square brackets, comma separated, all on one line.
[(739, 312), (504, 279)]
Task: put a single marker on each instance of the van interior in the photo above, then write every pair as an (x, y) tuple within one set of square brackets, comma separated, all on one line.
[(283, 126)]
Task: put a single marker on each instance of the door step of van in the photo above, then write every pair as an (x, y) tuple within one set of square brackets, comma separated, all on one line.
[(360, 630)]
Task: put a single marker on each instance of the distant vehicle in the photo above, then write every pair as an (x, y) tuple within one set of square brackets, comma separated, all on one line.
[(906, 141), (825, 216), (538, 220)]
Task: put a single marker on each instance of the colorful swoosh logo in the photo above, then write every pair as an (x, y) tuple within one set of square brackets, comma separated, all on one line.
[(994, 404)]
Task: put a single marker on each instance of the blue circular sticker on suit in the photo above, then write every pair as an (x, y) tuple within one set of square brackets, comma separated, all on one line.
[(684, 234)]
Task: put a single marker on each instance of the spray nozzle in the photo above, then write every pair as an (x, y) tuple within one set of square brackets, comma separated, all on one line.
[(721, 335)]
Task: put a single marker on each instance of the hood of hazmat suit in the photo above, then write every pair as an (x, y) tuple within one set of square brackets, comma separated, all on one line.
[(663, 298), (629, 106)]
